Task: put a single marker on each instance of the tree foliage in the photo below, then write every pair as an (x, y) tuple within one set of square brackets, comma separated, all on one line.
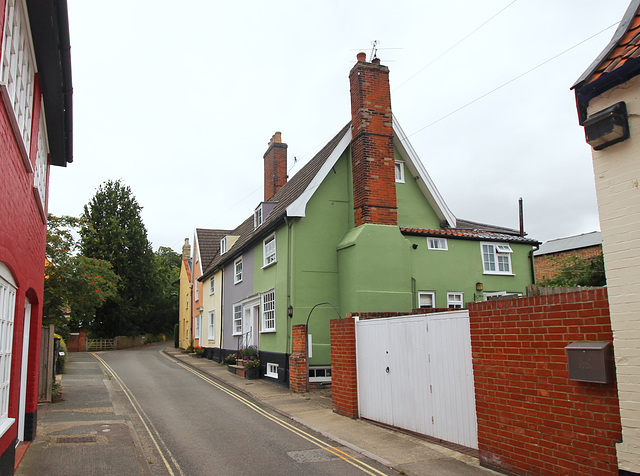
[(576, 271), (167, 272), (75, 285), (113, 230)]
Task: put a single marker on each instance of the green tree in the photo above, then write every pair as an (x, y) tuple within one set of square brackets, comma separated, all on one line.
[(75, 285), (165, 303), (113, 230), (576, 271)]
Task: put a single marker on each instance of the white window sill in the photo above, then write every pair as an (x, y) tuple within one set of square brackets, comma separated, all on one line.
[(268, 331), (270, 264), (271, 375), (5, 425), (497, 273), (237, 282), (236, 335)]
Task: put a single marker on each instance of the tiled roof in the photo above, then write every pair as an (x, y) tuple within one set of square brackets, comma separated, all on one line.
[(627, 48), (621, 56), (209, 244), (570, 243), (284, 197), (471, 234)]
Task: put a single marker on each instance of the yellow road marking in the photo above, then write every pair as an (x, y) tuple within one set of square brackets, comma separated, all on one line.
[(140, 413), (310, 438)]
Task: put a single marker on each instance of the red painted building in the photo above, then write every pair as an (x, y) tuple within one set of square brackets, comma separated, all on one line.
[(35, 133)]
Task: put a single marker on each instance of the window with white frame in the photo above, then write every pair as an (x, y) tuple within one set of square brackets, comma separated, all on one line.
[(269, 311), (455, 300), (237, 319), (40, 172), (197, 328), (223, 245), (19, 68), (212, 285), (426, 299), (212, 325), (437, 244), (257, 217), (269, 250), (272, 370), (7, 311), (196, 290), (320, 374), (399, 167), (237, 271), (496, 258)]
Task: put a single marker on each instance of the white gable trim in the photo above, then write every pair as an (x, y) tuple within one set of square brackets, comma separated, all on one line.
[(298, 207), (418, 170), (412, 161)]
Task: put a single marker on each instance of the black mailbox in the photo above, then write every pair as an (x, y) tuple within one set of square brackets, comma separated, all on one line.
[(590, 361)]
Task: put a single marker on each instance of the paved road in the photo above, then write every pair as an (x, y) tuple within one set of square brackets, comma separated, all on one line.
[(189, 424)]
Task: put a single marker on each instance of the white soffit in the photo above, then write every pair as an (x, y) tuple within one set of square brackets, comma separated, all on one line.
[(298, 207), (417, 169)]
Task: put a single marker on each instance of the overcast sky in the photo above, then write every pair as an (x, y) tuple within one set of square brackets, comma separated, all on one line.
[(180, 99)]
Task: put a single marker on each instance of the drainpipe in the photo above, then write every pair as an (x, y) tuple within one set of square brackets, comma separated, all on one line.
[(533, 268), (289, 224)]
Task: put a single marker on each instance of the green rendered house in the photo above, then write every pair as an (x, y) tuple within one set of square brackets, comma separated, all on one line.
[(360, 228)]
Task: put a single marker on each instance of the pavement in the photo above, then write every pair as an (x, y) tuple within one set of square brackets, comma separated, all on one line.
[(91, 430)]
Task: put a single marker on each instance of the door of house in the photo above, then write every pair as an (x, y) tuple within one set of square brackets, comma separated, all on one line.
[(415, 372), (250, 329)]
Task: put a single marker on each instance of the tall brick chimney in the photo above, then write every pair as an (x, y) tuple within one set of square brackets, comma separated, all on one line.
[(186, 249), (374, 187), (275, 166)]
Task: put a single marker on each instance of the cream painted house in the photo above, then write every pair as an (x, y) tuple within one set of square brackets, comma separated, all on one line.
[(212, 312), (608, 99)]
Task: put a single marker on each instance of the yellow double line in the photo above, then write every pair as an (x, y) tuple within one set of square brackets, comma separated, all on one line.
[(283, 423), (153, 433)]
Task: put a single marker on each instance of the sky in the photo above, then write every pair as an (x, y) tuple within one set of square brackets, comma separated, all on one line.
[(179, 101)]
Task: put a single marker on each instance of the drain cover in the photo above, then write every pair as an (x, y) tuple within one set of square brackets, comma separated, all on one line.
[(76, 439), (312, 456)]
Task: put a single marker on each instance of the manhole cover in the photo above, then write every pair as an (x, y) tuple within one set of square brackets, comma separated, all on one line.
[(311, 456), (76, 439)]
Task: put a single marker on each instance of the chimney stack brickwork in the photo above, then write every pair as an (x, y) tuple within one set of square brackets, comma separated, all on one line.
[(275, 166), (374, 188), (186, 249)]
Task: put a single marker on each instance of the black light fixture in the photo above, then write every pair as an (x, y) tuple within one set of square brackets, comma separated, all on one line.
[(290, 311), (607, 127), (479, 287)]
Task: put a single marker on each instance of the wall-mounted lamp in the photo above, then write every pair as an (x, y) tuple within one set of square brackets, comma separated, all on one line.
[(607, 127), (479, 287), (290, 311), (415, 246)]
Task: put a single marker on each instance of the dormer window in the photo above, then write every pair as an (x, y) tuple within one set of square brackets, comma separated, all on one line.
[(223, 245), (257, 217)]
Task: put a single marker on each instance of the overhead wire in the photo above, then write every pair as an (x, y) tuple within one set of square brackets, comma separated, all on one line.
[(511, 80), (453, 46)]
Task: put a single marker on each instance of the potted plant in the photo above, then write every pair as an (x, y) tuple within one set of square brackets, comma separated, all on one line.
[(252, 369), (250, 353), (199, 351)]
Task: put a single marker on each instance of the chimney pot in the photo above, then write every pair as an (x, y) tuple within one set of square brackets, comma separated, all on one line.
[(362, 56), (375, 60)]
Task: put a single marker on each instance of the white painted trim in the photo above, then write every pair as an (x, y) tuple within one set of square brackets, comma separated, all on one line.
[(416, 167), (429, 247), (433, 298), (270, 374), (298, 207)]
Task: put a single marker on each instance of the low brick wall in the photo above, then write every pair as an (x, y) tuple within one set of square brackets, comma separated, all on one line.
[(344, 381), (532, 419), (298, 359)]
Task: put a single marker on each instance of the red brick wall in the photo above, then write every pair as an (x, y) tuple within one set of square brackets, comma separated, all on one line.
[(344, 382), (374, 187), (547, 266), (298, 359), (532, 419), (22, 250)]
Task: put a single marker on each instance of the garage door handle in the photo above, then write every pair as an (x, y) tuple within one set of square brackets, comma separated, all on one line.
[(387, 369)]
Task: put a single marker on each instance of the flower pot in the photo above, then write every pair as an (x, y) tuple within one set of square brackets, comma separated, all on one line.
[(252, 374)]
